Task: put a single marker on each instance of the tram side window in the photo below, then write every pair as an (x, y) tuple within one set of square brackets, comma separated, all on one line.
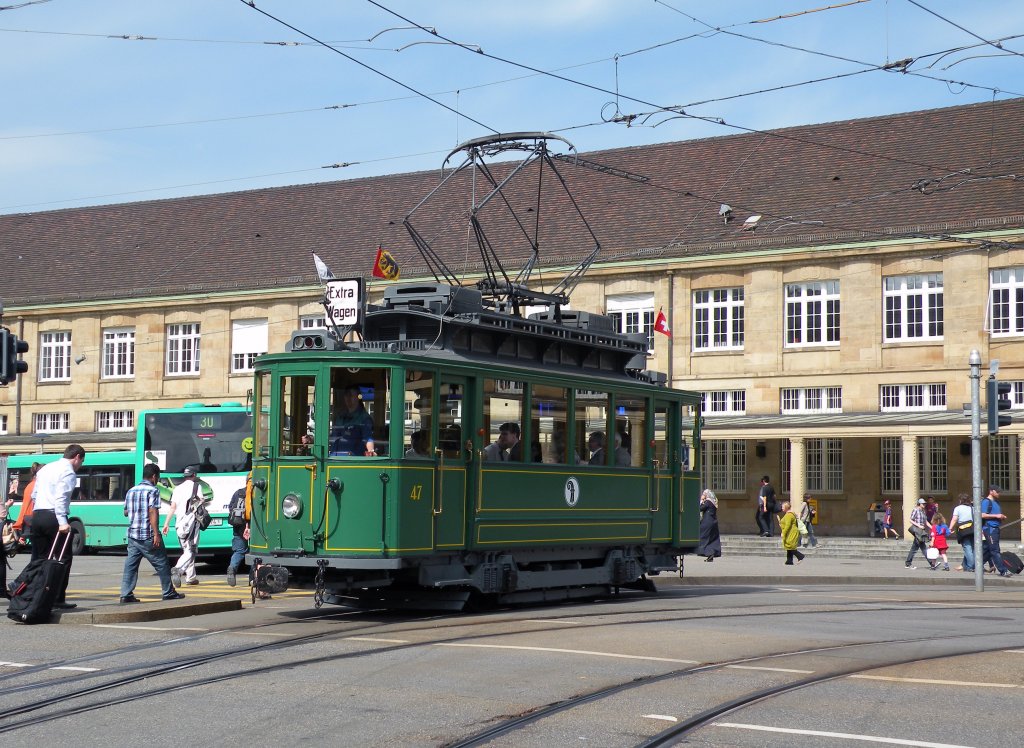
[(263, 401), (549, 421), (503, 420), (449, 419), (419, 394), (662, 422), (630, 431), (689, 444), (360, 412), (591, 426), (298, 395)]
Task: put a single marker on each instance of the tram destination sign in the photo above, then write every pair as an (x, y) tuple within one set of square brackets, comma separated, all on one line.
[(344, 302)]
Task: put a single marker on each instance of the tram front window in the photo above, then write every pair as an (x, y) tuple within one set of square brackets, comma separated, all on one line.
[(298, 395), (360, 412), (185, 438)]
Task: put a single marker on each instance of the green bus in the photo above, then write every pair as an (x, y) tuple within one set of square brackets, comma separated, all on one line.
[(215, 440), (97, 504)]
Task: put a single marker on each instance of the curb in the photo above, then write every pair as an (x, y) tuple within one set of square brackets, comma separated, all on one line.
[(967, 581), (158, 611)]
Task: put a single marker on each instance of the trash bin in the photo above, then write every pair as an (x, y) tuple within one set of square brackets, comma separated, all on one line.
[(876, 515)]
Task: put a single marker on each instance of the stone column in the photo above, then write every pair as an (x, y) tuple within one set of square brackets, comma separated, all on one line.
[(911, 479), (797, 472)]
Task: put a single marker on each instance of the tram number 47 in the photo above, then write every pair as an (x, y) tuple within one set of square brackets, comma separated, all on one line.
[(417, 492)]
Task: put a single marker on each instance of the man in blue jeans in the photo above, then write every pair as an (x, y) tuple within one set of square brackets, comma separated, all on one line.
[(991, 517), (142, 508)]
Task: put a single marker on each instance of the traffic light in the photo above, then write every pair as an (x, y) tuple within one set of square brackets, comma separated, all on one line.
[(10, 347), (997, 398)]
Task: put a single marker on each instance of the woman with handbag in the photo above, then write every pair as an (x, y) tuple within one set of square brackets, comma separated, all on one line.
[(920, 530), (962, 523)]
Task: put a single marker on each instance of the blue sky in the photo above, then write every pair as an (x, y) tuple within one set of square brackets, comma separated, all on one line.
[(203, 104)]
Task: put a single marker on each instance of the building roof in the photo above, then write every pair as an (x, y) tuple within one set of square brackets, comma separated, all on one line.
[(928, 173)]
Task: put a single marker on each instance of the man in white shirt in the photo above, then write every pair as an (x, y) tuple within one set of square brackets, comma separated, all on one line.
[(185, 526), (52, 500)]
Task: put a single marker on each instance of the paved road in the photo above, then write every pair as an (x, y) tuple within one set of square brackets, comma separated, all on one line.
[(282, 671)]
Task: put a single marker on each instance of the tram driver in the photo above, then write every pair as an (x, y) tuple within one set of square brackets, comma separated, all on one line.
[(352, 433)]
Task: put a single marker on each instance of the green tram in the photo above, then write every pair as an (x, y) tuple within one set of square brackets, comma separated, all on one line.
[(467, 452)]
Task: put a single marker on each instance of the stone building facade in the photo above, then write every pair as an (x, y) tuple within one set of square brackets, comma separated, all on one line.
[(824, 288)]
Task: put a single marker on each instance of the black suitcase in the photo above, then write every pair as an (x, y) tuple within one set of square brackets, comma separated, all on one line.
[(1013, 563), (35, 590)]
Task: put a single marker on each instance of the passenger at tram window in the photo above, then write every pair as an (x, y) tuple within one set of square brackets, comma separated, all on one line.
[(515, 454), (501, 449), (595, 443), (352, 433), (206, 466), (420, 449), (622, 456), (305, 447)]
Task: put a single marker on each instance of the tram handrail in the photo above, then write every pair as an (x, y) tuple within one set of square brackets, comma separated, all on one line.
[(437, 500), (657, 487)]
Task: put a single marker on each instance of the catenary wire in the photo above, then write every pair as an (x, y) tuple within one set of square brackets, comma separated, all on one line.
[(406, 86), (997, 45)]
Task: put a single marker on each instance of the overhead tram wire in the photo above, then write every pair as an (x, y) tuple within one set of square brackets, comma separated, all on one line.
[(350, 58), (677, 110), (900, 66), (989, 42)]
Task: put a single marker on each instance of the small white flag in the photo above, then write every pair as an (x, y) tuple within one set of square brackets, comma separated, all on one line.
[(322, 270)]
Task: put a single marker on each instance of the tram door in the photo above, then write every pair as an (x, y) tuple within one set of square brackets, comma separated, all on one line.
[(455, 425), (664, 471), (294, 465)]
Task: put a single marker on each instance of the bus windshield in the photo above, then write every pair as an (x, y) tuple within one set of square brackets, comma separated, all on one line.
[(209, 441)]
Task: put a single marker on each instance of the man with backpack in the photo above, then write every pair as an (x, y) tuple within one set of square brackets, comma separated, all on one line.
[(766, 508), (185, 499), (238, 518)]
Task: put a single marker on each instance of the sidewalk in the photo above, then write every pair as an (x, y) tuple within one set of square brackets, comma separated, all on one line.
[(739, 570)]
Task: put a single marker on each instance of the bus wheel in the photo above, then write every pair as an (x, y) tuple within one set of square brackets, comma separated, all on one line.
[(78, 539)]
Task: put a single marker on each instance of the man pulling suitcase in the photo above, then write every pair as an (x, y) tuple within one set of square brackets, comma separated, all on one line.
[(52, 496)]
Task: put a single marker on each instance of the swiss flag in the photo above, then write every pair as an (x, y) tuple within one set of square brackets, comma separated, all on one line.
[(661, 324)]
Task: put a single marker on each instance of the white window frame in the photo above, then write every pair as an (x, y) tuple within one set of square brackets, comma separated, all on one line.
[(51, 423), (312, 322), (248, 342), (811, 400), (1003, 459), (3, 425), (932, 464), (902, 398), (118, 353), (55, 356), (824, 465), (718, 319), (912, 307), (115, 420), (812, 314), (723, 403), (724, 465), (1006, 302), (633, 313), (183, 339)]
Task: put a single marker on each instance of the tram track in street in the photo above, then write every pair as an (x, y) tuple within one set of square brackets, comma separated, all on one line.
[(137, 673), (674, 734)]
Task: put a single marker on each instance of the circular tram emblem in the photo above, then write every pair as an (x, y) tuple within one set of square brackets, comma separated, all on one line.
[(572, 491)]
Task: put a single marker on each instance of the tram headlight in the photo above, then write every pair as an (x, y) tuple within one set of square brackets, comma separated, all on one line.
[(291, 506)]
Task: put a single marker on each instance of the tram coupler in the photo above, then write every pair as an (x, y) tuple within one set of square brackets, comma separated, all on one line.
[(271, 579)]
